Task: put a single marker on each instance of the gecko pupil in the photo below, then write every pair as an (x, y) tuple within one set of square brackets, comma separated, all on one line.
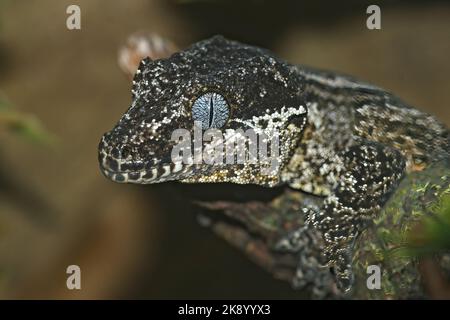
[(211, 110)]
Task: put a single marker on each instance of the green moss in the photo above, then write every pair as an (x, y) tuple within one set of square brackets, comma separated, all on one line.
[(422, 199), (23, 124)]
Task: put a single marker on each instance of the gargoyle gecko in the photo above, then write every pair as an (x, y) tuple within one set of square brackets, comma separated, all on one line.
[(345, 140)]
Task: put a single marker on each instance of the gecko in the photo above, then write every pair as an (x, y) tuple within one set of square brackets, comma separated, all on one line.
[(344, 140)]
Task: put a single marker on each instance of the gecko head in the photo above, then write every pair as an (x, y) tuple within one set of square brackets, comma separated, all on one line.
[(217, 92)]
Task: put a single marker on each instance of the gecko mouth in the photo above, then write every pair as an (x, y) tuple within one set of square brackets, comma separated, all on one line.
[(120, 167), (155, 175), (142, 174)]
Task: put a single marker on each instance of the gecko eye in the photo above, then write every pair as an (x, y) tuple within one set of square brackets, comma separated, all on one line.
[(211, 109)]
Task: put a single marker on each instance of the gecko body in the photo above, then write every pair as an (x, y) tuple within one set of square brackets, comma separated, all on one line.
[(339, 138)]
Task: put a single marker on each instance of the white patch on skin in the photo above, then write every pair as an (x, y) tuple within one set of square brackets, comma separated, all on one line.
[(154, 174), (166, 171), (272, 127)]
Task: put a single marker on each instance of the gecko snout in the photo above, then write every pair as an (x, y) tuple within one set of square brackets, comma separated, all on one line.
[(121, 162), (116, 160)]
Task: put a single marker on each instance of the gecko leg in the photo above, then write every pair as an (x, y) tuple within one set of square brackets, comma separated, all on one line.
[(372, 171)]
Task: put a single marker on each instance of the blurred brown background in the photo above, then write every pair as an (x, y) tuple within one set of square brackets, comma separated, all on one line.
[(56, 208)]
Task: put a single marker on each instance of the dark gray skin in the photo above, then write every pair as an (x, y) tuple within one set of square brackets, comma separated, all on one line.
[(345, 140)]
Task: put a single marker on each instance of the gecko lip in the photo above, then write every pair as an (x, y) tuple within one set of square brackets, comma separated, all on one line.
[(111, 168), (159, 173), (120, 166)]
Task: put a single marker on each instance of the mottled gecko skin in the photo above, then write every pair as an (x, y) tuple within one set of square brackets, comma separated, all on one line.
[(340, 138)]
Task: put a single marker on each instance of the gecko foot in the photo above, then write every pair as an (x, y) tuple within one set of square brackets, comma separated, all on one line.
[(341, 263)]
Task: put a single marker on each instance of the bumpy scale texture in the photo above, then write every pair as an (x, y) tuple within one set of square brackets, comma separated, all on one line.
[(342, 139)]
